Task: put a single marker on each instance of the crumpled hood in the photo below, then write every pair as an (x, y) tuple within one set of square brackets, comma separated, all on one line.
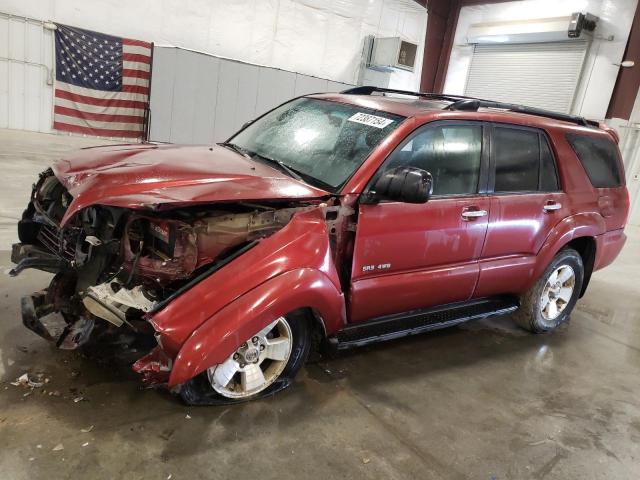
[(166, 176)]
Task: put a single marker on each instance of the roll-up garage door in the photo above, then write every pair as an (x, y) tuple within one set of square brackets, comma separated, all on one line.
[(543, 75)]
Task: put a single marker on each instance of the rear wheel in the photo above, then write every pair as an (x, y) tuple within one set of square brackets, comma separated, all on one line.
[(264, 364), (550, 301)]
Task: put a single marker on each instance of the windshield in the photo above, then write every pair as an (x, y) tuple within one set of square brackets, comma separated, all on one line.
[(324, 142)]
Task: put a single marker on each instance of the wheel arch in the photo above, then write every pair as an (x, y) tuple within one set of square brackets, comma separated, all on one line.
[(301, 290), (586, 247), (575, 231)]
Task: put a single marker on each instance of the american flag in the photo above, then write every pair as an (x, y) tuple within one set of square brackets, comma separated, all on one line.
[(102, 83)]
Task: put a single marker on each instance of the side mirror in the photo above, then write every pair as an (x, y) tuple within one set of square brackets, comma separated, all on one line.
[(403, 184)]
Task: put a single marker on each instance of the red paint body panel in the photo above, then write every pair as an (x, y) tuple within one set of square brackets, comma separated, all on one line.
[(302, 244), (518, 224), (575, 226), (431, 251), (224, 332), (608, 246), (508, 275), (146, 176)]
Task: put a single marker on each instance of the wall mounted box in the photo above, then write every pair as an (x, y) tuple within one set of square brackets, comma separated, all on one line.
[(390, 53)]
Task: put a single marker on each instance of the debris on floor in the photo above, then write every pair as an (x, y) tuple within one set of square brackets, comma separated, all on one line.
[(35, 381), (87, 430), (58, 447)]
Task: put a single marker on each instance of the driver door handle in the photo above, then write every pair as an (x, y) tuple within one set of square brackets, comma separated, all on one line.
[(552, 207), (473, 214)]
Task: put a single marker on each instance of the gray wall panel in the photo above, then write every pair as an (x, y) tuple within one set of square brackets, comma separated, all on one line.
[(306, 85), (337, 86), (161, 96), (206, 99), (274, 88), (225, 112), (199, 98), (184, 98), (247, 95)]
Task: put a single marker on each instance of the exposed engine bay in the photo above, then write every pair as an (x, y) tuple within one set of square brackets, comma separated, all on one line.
[(113, 266)]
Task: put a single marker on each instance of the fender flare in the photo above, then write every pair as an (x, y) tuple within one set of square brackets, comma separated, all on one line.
[(218, 337), (588, 224)]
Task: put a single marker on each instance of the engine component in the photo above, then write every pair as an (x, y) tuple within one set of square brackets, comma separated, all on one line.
[(111, 301), (218, 233), (163, 250)]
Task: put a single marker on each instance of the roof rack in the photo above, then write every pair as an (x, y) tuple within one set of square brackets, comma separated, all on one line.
[(473, 104), (462, 103), (368, 90)]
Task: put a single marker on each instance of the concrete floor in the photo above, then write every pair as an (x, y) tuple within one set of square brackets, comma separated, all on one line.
[(481, 401)]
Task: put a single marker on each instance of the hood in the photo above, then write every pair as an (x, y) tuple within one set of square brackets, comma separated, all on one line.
[(168, 176)]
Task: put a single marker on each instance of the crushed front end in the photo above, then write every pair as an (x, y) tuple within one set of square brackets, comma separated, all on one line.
[(115, 267)]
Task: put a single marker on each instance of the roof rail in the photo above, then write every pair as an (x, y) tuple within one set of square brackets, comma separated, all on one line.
[(473, 104), (463, 103), (368, 90)]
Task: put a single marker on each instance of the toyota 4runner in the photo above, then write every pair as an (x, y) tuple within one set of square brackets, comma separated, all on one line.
[(334, 220)]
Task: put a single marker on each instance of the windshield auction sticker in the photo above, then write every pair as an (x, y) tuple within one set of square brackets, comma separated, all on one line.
[(371, 120)]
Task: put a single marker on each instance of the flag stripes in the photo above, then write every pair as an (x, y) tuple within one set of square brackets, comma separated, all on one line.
[(102, 83)]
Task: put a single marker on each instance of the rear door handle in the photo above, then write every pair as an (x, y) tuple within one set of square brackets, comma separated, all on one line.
[(552, 207), (472, 214)]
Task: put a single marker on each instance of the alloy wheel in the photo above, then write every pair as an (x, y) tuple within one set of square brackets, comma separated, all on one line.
[(557, 293), (256, 364)]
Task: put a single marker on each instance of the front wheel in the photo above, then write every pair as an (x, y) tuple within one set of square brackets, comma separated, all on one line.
[(550, 301), (264, 364)]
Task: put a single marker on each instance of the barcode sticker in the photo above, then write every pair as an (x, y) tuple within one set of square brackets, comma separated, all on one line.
[(371, 120)]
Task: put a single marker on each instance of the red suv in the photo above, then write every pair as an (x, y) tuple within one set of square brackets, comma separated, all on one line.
[(334, 220)]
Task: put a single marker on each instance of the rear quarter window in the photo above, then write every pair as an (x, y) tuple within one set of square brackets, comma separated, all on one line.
[(599, 157)]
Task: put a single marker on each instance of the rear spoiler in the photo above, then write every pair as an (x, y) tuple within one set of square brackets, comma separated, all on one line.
[(611, 131)]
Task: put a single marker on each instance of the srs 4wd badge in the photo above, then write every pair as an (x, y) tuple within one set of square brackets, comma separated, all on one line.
[(372, 268)]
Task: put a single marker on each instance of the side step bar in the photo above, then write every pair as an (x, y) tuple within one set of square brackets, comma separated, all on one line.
[(418, 321)]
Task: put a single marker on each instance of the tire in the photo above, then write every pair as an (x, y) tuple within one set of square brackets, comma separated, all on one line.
[(240, 369), (548, 303)]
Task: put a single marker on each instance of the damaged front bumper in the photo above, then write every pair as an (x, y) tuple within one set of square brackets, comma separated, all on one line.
[(39, 314), (30, 256)]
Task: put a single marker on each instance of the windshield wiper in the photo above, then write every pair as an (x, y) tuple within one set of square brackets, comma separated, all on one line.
[(286, 168), (237, 149), (252, 155)]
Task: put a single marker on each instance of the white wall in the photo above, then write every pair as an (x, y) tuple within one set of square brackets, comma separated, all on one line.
[(315, 37), (599, 75), (629, 132), (26, 57)]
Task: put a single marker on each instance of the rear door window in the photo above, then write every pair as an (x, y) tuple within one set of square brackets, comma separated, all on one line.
[(599, 157), (548, 175), (523, 161), (517, 159)]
